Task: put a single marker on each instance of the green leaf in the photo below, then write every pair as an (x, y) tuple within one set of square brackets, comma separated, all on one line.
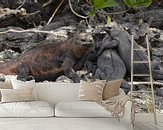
[(108, 20), (92, 12), (137, 3), (100, 4)]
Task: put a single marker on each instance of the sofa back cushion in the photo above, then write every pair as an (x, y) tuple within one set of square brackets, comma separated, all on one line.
[(5, 85), (111, 89), (59, 92), (18, 84), (91, 91), (56, 92), (16, 95)]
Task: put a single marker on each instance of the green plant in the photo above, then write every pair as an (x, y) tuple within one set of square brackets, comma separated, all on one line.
[(101, 4), (137, 3), (149, 103)]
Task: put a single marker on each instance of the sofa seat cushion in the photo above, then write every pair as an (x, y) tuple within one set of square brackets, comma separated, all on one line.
[(80, 109), (26, 109)]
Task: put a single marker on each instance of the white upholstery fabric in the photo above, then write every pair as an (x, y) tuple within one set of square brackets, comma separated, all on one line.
[(26, 109), (55, 123), (16, 95), (18, 84), (80, 109), (58, 92)]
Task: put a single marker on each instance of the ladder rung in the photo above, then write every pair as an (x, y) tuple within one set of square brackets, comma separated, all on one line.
[(142, 91), (137, 75), (140, 49), (147, 82), (140, 62)]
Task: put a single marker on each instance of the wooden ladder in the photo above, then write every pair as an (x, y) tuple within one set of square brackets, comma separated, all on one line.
[(142, 75)]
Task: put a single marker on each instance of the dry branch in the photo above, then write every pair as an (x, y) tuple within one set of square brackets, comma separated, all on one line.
[(28, 30), (5, 12), (55, 11), (84, 17)]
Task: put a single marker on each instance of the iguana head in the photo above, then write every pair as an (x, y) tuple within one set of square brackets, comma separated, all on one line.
[(84, 39), (115, 30)]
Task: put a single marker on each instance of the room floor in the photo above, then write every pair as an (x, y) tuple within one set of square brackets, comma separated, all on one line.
[(148, 126)]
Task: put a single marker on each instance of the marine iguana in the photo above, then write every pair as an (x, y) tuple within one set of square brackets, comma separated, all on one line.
[(50, 60), (109, 65)]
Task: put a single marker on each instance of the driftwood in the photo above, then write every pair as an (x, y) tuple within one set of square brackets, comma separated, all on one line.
[(6, 12), (18, 17), (27, 31)]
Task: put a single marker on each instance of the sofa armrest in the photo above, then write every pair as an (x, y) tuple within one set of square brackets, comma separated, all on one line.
[(128, 109), (127, 112), (127, 118)]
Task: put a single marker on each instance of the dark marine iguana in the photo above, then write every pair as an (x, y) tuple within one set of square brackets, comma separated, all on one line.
[(50, 60)]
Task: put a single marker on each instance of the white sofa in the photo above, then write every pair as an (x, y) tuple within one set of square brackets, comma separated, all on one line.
[(63, 97)]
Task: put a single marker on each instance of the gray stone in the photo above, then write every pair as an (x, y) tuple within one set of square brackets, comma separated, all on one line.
[(64, 79), (159, 91), (125, 86), (8, 54)]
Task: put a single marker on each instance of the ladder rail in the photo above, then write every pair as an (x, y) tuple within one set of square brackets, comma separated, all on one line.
[(151, 79), (132, 67), (150, 72)]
